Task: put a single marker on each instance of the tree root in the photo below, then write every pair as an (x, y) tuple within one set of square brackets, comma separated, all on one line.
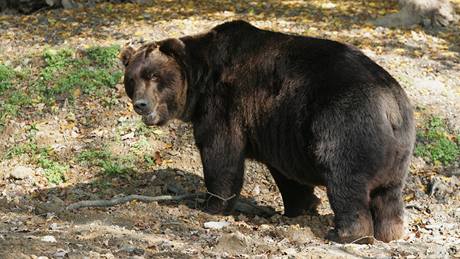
[(241, 206)]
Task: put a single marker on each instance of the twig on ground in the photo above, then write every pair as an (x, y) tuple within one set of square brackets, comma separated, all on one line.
[(120, 200), (220, 197), (241, 206)]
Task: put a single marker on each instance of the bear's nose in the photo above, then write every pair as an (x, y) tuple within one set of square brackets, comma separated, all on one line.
[(140, 105)]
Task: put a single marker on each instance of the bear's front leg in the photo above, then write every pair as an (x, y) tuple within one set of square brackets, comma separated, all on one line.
[(222, 155)]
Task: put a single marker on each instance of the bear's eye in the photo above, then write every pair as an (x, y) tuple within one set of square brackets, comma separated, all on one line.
[(154, 77)]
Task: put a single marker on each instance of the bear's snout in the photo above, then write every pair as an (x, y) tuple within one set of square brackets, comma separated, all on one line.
[(142, 106)]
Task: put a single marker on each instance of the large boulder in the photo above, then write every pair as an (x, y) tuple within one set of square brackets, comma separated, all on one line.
[(429, 13)]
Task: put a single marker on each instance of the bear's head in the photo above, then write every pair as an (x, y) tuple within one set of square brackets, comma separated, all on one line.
[(155, 81)]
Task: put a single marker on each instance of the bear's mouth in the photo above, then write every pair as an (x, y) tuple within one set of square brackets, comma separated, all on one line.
[(151, 119)]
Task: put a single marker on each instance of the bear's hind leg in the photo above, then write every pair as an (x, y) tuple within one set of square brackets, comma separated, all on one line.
[(297, 198), (387, 211), (349, 200)]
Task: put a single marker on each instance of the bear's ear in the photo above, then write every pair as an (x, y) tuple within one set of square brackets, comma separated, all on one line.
[(126, 54), (172, 47)]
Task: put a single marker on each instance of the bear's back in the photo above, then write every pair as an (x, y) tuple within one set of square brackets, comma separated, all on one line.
[(292, 90)]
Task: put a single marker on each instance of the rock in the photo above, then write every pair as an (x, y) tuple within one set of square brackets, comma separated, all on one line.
[(432, 14), (299, 235), (49, 239), (328, 5), (68, 4), (256, 190), (439, 189), (142, 2), (47, 135), (165, 245), (60, 253), (433, 86), (52, 2), (131, 249), (22, 172), (25, 61), (233, 243), (454, 172), (290, 252), (54, 226), (418, 163), (53, 205), (456, 214), (216, 224)]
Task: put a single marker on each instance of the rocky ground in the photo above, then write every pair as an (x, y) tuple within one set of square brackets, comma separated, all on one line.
[(82, 139)]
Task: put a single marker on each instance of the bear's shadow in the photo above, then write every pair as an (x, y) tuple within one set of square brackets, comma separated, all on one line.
[(170, 181)]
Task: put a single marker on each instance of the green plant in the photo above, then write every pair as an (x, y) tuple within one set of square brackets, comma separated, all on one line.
[(57, 59), (436, 144), (140, 146), (64, 74), (110, 167), (13, 103), (93, 157), (104, 56), (18, 150), (6, 74), (54, 171), (28, 147), (11, 99), (150, 160), (109, 164)]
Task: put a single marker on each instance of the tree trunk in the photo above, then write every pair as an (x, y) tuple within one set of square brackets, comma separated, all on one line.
[(30, 6), (429, 13), (24, 6)]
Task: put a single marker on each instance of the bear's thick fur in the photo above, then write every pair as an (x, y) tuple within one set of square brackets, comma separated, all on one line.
[(315, 111)]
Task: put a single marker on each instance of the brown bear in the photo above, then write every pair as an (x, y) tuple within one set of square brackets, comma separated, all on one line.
[(315, 111)]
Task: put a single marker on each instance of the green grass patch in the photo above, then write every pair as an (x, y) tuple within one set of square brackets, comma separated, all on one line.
[(93, 157), (104, 56), (436, 144), (113, 168), (11, 98), (107, 162), (28, 147), (6, 75), (54, 171), (66, 74)]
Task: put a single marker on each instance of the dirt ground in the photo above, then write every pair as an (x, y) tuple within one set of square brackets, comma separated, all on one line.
[(33, 219)]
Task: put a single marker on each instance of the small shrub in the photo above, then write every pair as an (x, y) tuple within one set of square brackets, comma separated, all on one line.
[(57, 59), (114, 168), (54, 171), (436, 144), (104, 56)]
